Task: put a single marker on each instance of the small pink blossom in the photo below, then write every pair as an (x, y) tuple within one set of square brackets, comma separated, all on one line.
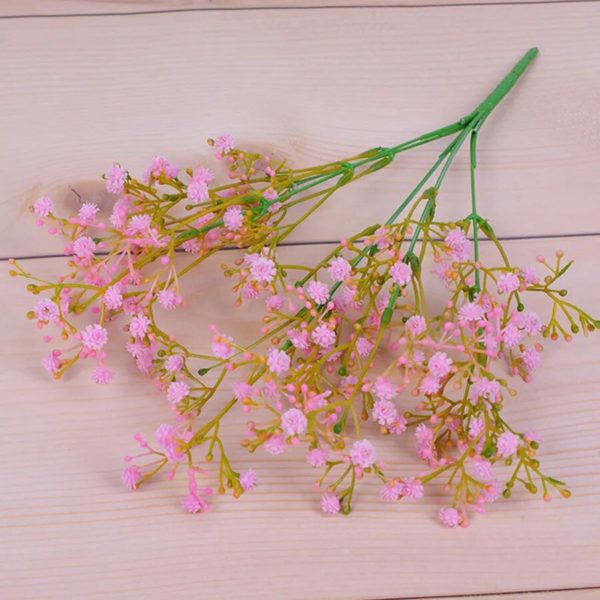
[(224, 143), (323, 336), (233, 218), (330, 504), (248, 480), (262, 269), (270, 194), (94, 337), (416, 324), (221, 346), (384, 389), (197, 191), (385, 413), (411, 488), (317, 457), (507, 444), (51, 362), (43, 206), (275, 445), (449, 517), (84, 247), (101, 375), (471, 312), (440, 364), (363, 454), (339, 269), (168, 299), (508, 282), (139, 326), (87, 212), (113, 299), (174, 363), (531, 359), (46, 311), (177, 391), (115, 179), (429, 385), (278, 361), (318, 292), (131, 476), (401, 273), (194, 503), (293, 422)]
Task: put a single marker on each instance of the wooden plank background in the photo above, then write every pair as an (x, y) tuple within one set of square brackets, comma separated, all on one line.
[(78, 92)]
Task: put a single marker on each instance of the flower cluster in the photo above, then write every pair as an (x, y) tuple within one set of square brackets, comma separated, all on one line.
[(361, 344)]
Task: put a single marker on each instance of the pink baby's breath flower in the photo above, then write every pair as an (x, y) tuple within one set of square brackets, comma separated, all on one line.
[(224, 143), (293, 422), (139, 326), (248, 480), (471, 312), (194, 503), (174, 363), (385, 413), (197, 191), (455, 239), (384, 389), (84, 247), (203, 174), (46, 311), (401, 273), (87, 212), (330, 504), (416, 324), (317, 457), (529, 276), (323, 336), (221, 346), (94, 337), (278, 361), (262, 269), (131, 476), (507, 444), (339, 269), (530, 322), (449, 517), (115, 179), (242, 390), (485, 388), (177, 391), (160, 166), (168, 299), (318, 292), (233, 218), (411, 488), (101, 375), (113, 299), (440, 364), (429, 385), (531, 359), (43, 206), (476, 427), (275, 445), (270, 194), (363, 454), (390, 492), (139, 224), (52, 362), (508, 282), (274, 302)]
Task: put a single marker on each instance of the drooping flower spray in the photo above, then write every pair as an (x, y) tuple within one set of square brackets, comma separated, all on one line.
[(348, 348)]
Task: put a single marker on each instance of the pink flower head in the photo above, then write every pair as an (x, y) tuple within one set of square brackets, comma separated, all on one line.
[(177, 391), (385, 413), (113, 299), (115, 179), (530, 322), (197, 191), (275, 445), (224, 143), (51, 362), (440, 364), (471, 312), (94, 337), (449, 517), (248, 480), (101, 375), (485, 388), (278, 361), (84, 247), (221, 345), (429, 385), (262, 269), (511, 336), (270, 194), (416, 324), (507, 444), (476, 427), (455, 239), (384, 389), (330, 504), (204, 175), (411, 488), (139, 326), (233, 218), (131, 476), (531, 359), (339, 269), (317, 457), (174, 363), (87, 212), (293, 422), (363, 454), (401, 273), (318, 292), (160, 166), (508, 282), (43, 206), (390, 492), (168, 299), (323, 336), (194, 503), (363, 346), (46, 311)]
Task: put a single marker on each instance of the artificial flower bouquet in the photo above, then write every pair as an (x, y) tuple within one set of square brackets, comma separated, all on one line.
[(348, 349)]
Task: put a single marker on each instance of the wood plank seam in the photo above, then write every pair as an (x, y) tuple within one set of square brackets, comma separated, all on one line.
[(496, 594), (300, 7)]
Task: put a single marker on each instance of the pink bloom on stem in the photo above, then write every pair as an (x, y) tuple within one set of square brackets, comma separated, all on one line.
[(274, 302), (221, 346), (139, 224), (203, 174), (317, 457), (197, 191), (113, 299), (385, 413), (298, 338), (275, 445), (233, 218), (84, 247), (139, 326), (131, 476), (177, 391), (531, 359), (429, 385), (51, 362), (94, 337), (455, 239), (530, 322), (401, 273), (440, 364), (174, 363), (485, 388), (46, 310), (43, 206), (449, 517), (115, 179), (363, 346), (224, 143), (471, 312), (242, 390), (476, 427), (248, 480), (511, 336), (363, 454), (168, 299), (416, 324), (262, 269), (270, 194), (318, 292), (323, 336), (330, 504), (339, 269), (278, 361), (411, 488), (508, 282), (390, 492), (384, 389), (194, 503), (160, 165), (507, 444), (87, 212), (293, 422), (101, 375)]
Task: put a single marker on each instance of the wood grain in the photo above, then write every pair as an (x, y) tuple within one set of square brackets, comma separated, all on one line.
[(78, 93), (67, 524)]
